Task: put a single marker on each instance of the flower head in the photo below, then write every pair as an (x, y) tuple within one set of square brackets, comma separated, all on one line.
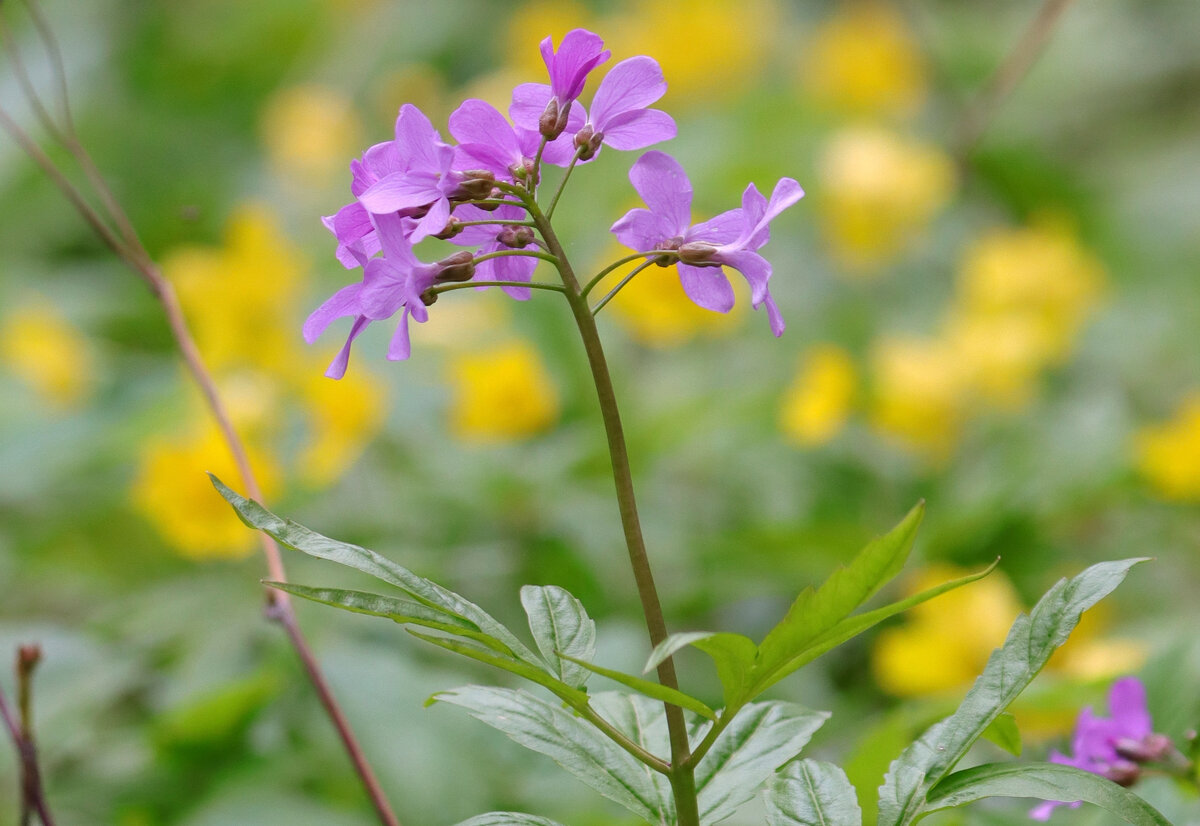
[(731, 239), (546, 109), (620, 115), (1113, 747)]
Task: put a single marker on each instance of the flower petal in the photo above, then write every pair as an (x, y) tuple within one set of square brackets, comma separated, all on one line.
[(579, 52), (642, 230), (433, 221), (754, 267), (639, 129), (1127, 704), (337, 367), (665, 188), (400, 347), (345, 302), (719, 230), (631, 85), (417, 140), (528, 102), (707, 287)]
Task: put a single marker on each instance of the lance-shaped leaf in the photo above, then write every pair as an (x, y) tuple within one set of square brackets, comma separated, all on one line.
[(572, 743), (397, 609), (560, 626), (816, 612), (297, 537), (811, 793), (508, 819), (760, 739), (732, 654), (1045, 781), (657, 691), (852, 626), (1030, 642), (468, 648)]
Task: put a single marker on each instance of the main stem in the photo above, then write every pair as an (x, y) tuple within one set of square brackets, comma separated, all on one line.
[(682, 774)]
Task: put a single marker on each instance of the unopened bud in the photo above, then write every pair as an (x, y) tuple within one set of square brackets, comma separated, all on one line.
[(28, 656), (669, 244), (475, 184), (587, 142), (515, 237), (1150, 749), (458, 267), (1123, 773), (453, 227), (697, 253), (429, 297), (553, 120)]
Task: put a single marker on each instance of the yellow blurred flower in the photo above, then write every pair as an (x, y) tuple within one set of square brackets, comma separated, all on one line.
[(945, 642), (864, 61), (1041, 275), (818, 402), (241, 298), (532, 22), (878, 190), (310, 133), (501, 395), (343, 417), (1000, 357), (417, 83), (708, 49), (918, 393), (173, 493), (1168, 454), (38, 344)]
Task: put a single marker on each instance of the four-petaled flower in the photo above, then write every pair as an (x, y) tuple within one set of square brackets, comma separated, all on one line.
[(1112, 747), (730, 239), (545, 109), (619, 116)]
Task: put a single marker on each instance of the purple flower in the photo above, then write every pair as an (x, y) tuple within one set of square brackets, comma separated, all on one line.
[(620, 117), (730, 239), (487, 141), (495, 238), (545, 109), (417, 177), (391, 283), (1111, 746)]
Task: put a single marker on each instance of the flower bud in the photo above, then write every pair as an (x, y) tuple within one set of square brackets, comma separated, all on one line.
[(697, 253), (429, 298), (475, 185), (587, 142), (669, 244), (1151, 748), (553, 120), (453, 227), (1123, 773), (458, 267), (515, 237)]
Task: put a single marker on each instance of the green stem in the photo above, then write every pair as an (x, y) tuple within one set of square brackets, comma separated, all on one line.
[(545, 256), (682, 772), (613, 292), (464, 285), (563, 184), (495, 221), (598, 277)]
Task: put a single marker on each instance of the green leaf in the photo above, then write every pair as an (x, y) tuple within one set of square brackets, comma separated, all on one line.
[(574, 744), (299, 538), (562, 630), (1004, 733), (733, 655), (1009, 670), (650, 688), (397, 609), (1045, 781), (671, 644), (816, 612), (644, 722), (511, 664), (851, 627), (508, 819), (812, 793), (760, 739)]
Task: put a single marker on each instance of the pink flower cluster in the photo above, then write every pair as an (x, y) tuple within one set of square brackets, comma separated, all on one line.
[(416, 186)]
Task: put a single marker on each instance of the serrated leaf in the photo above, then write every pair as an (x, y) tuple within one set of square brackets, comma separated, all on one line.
[(1031, 641), (299, 538), (1004, 733), (760, 739), (732, 654), (508, 819), (851, 627), (511, 664), (560, 626), (1045, 781), (815, 612), (650, 688), (812, 793), (572, 743)]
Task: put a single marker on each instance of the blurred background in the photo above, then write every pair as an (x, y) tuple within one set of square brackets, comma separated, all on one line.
[(1008, 333)]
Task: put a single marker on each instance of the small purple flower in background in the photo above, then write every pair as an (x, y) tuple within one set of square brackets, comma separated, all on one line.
[(619, 116), (545, 109), (1113, 747), (731, 238)]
